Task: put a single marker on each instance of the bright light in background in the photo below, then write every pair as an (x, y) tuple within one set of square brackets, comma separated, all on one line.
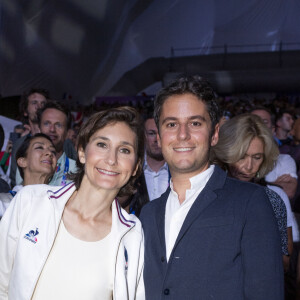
[(93, 8), (67, 35)]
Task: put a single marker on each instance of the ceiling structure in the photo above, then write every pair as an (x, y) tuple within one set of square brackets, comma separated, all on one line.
[(124, 47)]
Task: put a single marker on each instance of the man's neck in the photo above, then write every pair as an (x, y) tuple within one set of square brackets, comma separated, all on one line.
[(281, 134), (181, 181), (154, 164)]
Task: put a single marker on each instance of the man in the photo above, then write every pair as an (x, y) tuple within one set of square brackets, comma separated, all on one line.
[(29, 105), (155, 168), (55, 120), (296, 132), (208, 236), (154, 179), (30, 102), (284, 124)]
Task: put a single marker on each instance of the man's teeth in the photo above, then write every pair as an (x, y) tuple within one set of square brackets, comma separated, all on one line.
[(183, 149)]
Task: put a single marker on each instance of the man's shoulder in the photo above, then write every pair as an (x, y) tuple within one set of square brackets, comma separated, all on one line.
[(157, 205)]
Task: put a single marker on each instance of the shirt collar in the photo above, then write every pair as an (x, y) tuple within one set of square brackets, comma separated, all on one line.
[(198, 182)]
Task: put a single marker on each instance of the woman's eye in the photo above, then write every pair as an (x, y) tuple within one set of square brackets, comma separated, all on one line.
[(102, 145), (258, 157), (125, 150), (39, 147)]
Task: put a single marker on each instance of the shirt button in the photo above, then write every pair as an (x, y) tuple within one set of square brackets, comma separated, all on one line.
[(166, 291), (162, 259)]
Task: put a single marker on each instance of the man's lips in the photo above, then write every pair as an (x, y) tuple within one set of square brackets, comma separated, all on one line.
[(106, 172)]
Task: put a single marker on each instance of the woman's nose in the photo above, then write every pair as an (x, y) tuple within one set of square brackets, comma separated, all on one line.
[(248, 163), (111, 157)]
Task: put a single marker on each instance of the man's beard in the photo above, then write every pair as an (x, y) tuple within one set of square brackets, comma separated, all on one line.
[(155, 156)]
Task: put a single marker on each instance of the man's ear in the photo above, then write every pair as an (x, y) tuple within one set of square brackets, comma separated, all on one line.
[(22, 162), (215, 136), (81, 155)]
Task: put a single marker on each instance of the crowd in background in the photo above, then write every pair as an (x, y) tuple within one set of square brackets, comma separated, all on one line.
[(40, 114)]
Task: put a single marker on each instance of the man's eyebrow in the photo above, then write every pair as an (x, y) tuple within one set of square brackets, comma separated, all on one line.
[(196, 117)]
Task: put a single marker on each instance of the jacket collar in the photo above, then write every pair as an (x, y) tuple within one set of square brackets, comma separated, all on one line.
[(204, 199), (59, 197)]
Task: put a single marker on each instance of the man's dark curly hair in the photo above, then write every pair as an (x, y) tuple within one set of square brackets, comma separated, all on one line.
[(194, 85)]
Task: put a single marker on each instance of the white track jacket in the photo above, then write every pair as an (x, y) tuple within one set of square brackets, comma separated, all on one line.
[(27, 233)]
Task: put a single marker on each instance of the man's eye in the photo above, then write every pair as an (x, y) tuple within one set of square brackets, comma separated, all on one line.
[(58, 125), (46, 123), (171, 125), (196, 123)]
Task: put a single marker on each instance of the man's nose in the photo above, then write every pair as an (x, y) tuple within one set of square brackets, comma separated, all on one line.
[(183, 132)]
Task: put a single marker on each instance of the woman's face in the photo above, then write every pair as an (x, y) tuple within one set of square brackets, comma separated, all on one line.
[(40, 158), (246, 168), (110, 157)]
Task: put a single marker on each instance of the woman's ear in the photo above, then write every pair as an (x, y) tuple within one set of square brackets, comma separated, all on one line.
[(81, 155), (22, 162)]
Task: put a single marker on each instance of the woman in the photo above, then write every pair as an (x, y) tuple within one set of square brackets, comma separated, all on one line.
[(36, 162), (246, 149), (77, 237)]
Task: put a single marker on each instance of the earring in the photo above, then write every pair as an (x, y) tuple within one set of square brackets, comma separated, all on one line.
[(257, 174)]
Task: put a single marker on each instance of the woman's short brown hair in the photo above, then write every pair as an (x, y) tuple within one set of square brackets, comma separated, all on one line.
[(98, 121)]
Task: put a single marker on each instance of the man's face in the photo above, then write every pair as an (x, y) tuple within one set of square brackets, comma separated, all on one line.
[(185, 135), (35, 101), (265, 116), (54, 124), (286, 122), (152, 148), (296, 131)]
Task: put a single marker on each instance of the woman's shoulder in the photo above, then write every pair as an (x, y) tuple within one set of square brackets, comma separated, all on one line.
[(130, 219)]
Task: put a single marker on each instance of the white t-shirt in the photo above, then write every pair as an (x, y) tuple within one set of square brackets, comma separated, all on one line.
[(77, 269), (176, 213), (285, 165)]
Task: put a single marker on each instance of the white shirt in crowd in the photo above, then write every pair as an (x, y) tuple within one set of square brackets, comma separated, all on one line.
[(157, 182), (285, 165), (176, 213)]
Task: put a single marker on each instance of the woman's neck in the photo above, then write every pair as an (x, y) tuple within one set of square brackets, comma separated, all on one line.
[(92, 203), (35, 179)]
